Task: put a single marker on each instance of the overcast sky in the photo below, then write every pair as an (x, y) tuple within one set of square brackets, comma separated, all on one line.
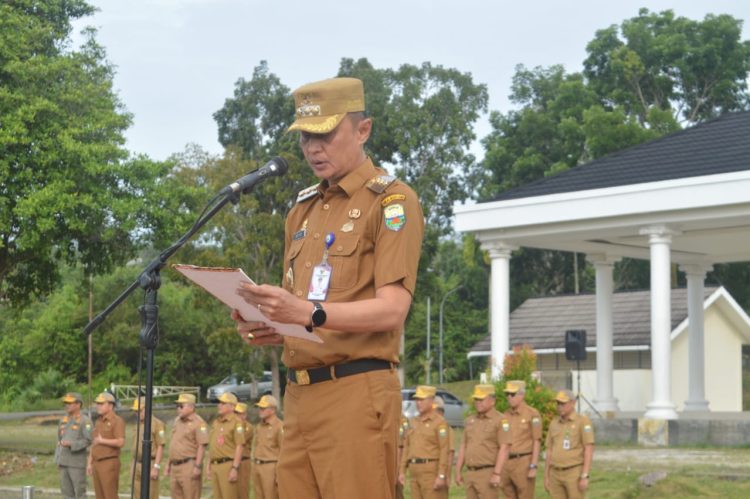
[(178, 60)]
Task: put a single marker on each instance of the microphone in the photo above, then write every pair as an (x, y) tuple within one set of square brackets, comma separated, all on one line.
[(274, 168)]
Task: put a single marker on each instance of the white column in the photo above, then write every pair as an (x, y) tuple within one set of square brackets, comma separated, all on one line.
[(661, 406), (696, 401), (605, 400), (499, 304)]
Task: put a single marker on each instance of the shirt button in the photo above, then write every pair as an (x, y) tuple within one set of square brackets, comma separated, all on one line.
[(339, 248), (308, 265), (326, 206), (316, 235), (291, 353), (298, 293)]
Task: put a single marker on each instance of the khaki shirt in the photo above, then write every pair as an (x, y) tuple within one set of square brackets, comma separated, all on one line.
[(109, 426), (577, 431), (378, 240), (77, 431), (403, 427), (268, 438), (525, 427), (427, 438), (157, 439), (483, 436), (248, 437), (187, 435), (227, 432)]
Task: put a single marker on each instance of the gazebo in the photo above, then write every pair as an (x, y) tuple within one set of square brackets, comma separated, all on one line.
[(683, 198)]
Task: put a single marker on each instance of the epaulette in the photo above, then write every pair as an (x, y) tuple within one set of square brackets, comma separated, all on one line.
[(380, 183), (307, 193)]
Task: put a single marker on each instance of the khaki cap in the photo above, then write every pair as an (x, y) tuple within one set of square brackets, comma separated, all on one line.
[(105, 397), (424, 391), (483, 391), (320, 106), (565, 396), (267, 401), (72, 397), (515, 386), (186, 398), (138, 403), (228, 398), (240, 408)]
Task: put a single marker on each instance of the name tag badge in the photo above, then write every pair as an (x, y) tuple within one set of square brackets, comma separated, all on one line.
[(566, 444), (321, 275)]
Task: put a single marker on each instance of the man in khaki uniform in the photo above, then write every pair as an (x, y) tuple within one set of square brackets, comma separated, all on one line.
[(187, 448), (439, 406), (485, 446), (570, 450), (402, 429), (225, 446), (426, 449), (108, 439), (73, 441), (269, 434), (240, 410), (352, 246), (157, 450), (519, 473)]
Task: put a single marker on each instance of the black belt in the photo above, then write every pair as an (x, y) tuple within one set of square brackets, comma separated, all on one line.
[(319, 374), (175, 462), (261, 461), (515, 456), (563, 468), (420, 460), (475, 468), (245, 458), (221, 460), (105, 458)]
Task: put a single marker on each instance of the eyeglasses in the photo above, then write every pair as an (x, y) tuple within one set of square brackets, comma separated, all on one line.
[(180, 406), (560, 403), (509, 394)]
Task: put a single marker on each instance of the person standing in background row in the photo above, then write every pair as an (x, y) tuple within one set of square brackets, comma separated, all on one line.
[(108, 440), (73, 441), (187, 449), (157, 450), (269, 434), (240, 410), (439, 406), (519, 473), (225, 446), (402, 429)]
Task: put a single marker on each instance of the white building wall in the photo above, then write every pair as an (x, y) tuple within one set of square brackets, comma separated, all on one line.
[(632, 388), (723, 363)]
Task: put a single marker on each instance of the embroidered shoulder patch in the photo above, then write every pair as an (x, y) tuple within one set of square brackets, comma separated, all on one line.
[(443, 431), (535, 421), (506, 425), (587, 428), (380, 183), (307, 193), (395, 217), (393, 197)]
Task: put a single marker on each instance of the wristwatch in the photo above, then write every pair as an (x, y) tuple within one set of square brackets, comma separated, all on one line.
[(532, 466), (441, 476), (317, 318), (584, 476)]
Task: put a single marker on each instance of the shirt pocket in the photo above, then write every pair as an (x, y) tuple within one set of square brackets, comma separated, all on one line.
[(343, 257)]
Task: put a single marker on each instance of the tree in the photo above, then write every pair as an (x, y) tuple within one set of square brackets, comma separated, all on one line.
[(67, 193)]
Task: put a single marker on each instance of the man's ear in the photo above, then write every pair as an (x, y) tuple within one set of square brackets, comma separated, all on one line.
[(364, 128)]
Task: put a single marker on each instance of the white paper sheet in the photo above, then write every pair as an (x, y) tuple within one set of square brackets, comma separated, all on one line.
[(223, 284)]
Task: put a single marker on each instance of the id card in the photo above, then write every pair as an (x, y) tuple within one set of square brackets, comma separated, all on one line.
[(321, 278), (566, 444)]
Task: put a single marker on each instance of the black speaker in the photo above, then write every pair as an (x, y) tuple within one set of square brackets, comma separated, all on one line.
[(575, 344)]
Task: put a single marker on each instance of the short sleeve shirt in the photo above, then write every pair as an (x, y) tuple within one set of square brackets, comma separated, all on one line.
[(157, 438), (109, 426), (577, 431), (227, 432), (268, 438), (525, 428), (378, 225), (187, 434), (428, 438), (483, 436)]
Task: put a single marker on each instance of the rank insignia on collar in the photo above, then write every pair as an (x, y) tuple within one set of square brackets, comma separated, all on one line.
[(307, 193), (380, 183)]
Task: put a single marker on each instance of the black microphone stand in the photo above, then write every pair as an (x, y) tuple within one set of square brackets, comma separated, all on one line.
[(150, 281)]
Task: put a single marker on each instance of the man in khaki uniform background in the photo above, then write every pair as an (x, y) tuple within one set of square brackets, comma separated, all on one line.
[(240, 410), (157, 450), (73, 441), (570, 450), (352, 247), (108, 439), (439, 406), (485, 446), (187, 448), (519, 473), (225, 446), (402, 428), (269, 435), (426, 449)]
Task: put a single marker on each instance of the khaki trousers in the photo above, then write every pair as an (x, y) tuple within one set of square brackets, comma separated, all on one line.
[(340, 438), (422, 479), (264, 481), (106, 478), (72, 482), (153, 487), (182, 484), (515, 480), (564, 483), (220, 484), (478, 486), (244, 479)]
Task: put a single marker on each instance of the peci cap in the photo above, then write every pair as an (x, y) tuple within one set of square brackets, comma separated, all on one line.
[(515, 386), (565, 396), (186, 398), (240, 408), (105, 397), (320, 106), (72, 397), (424, 391), (228, 398), (267, 401), (481, 392)]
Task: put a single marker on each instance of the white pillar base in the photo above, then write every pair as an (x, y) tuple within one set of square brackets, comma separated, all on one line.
[(696, 406), (660, 410), (607, 405)]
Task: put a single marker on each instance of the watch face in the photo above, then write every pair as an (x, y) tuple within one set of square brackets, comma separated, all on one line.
[(318, 315)]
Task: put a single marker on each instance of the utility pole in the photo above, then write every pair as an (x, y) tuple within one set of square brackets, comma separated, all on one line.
[(429, 353), (442, 304)]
